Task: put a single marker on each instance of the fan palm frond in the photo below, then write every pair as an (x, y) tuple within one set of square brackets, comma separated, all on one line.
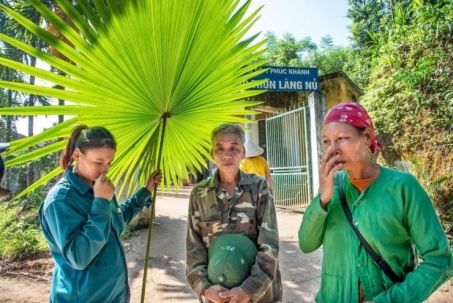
[(133, 66)]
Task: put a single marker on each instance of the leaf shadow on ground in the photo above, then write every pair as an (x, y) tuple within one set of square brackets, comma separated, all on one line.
[(166, 267)]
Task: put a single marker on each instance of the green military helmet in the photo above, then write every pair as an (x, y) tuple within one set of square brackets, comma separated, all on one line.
[(231, 256)]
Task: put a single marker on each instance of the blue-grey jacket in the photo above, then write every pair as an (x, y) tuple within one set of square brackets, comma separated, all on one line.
[(84, 235)]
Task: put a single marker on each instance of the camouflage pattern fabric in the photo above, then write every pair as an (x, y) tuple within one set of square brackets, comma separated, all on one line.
[(250, 211)]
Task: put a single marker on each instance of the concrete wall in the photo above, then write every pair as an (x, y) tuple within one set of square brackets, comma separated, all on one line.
[(338, 88)]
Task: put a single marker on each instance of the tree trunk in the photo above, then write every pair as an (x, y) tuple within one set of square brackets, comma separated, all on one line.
[(9, 126), (31, 102), (60, 117)]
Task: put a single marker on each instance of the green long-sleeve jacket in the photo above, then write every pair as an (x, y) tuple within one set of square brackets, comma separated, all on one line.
[(393, 213), (250, 211), (84, 236)]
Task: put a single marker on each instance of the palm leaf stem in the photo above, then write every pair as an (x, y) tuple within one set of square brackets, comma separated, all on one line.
[(153, 209)]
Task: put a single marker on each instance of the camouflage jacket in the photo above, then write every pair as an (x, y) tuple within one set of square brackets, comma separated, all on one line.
[(251, 211)]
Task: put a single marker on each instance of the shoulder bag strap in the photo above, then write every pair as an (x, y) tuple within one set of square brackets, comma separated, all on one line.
[(377, 259)]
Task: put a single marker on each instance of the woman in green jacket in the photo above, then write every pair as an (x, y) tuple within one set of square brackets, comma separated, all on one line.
[(389, 208), (83, 222)]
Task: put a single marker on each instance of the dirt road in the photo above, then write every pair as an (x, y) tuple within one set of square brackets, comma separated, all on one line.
[(166, 274)]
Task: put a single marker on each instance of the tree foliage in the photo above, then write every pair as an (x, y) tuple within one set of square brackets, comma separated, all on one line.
[(409, 88), (288, 51), (411, 81)]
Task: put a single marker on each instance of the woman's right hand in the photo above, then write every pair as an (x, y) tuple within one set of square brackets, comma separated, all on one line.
[(326, 174), (103, 188)]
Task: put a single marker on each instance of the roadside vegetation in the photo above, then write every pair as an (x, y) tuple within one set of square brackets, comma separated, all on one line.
[(409, 91), (20, 233)]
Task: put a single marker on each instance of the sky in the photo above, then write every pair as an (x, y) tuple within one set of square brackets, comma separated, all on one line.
[(304, 18), (301, 18)]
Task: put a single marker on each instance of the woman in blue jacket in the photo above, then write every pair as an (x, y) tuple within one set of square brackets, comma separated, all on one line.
[(83, 222)]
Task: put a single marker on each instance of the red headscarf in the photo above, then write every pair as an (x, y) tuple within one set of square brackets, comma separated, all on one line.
[(354, 114)]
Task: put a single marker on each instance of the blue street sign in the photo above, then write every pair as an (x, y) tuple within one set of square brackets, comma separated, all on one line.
[(288, 79)]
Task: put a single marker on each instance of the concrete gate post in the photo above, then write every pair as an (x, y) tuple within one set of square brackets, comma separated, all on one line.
[(318, 109), (248, 135)]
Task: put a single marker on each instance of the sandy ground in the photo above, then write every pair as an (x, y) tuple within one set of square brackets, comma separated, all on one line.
[(166, 273)]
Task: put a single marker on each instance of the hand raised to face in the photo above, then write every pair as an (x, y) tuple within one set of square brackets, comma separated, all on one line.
[(326, 173), (103, 188)]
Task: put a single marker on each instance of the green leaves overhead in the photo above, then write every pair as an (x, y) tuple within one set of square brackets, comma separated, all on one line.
[(134, 62)]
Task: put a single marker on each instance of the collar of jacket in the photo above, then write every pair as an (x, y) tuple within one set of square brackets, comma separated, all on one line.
[(244, 179), (76, 181)]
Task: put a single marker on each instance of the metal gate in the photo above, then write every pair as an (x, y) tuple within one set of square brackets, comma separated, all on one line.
[(288, 154)]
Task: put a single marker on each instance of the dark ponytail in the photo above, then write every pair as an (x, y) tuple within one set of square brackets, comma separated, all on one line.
[(85, 138)]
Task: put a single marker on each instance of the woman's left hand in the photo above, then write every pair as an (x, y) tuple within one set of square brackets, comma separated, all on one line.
[(154, 178)]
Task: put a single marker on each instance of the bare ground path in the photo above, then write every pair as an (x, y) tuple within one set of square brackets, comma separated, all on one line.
[(29, 282)]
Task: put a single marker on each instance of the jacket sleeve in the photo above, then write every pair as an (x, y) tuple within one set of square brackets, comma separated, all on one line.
[(429, 238), (264, 271), (196, 253), (134, 205), (78, 237), (311, 231)]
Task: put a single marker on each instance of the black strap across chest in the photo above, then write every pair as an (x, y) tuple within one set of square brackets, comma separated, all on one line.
[(378, 260)]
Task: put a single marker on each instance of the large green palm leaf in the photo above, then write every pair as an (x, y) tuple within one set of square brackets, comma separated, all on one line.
[(135, 66)]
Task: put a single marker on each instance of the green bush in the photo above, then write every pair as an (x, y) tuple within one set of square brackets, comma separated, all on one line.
[(410, 96), (437, 190), (20, 233)]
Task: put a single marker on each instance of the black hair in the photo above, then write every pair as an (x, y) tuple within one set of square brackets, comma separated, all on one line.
[(85, 138)]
